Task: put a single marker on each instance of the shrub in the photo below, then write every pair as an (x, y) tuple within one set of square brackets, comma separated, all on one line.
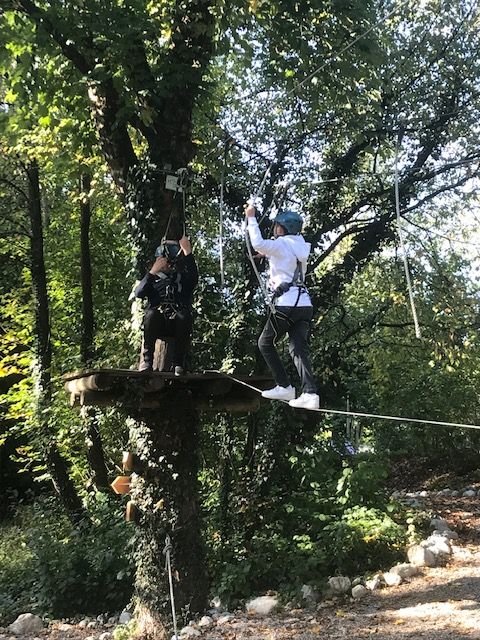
[(16, 575), (81, 569), (48, 565)]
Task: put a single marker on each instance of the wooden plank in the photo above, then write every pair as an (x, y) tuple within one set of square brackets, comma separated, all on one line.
[(121, 485), (235, 404)]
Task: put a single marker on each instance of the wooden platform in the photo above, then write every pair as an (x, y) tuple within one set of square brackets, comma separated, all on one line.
[(149, 390)]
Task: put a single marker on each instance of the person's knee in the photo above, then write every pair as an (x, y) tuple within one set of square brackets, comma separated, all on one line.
[(149, 316), (265, 343)]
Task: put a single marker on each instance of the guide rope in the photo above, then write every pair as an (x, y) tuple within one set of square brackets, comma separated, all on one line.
[(168, 567), (356, 413), (411, 295)]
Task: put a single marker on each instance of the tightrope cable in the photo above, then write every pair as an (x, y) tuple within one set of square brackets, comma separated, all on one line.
[(356, 413)]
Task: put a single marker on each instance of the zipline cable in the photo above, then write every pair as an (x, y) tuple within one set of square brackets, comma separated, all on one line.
[(347, 47), (356, 413), (418, 333)]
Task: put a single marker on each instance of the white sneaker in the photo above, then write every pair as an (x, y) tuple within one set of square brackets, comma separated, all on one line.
[(306, 401), (279, 393)]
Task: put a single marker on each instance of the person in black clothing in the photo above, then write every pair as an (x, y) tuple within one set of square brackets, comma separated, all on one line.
[(169, 287)]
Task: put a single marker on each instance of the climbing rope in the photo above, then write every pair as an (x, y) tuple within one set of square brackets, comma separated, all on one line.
[(254, 201), (355, 413), (182, 183), (418, 333), (168, 568)]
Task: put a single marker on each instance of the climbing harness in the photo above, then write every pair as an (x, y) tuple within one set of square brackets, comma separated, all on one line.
[(355, 413), (168, 567), (418, 333)]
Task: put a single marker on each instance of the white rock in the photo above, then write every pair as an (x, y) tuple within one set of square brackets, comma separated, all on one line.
[(189, 632), (339, 584), (83, 623), (439, 524), (65, 627), (359, 591), (92, 624), (392, 579), (469, 493), (421, 556), (309, 594), (112, 620), (26, 625), (225, 618), (90, 638), (106, 635), (262, 606), (125, 617), (375, 583), (423, 494), (449, 534), (357, 581), (440, 547), (216, 603), (205, 621), (404, 570)]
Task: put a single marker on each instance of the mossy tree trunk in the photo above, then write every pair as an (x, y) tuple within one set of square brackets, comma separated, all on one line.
[(56, 464), (165, 492)]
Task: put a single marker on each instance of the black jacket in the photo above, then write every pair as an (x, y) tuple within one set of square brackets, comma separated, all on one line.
[(175, 287)]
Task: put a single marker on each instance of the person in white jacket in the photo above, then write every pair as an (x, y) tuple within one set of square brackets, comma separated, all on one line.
[(287, 254)]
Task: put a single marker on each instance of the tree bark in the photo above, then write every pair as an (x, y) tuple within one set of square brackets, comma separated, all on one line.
[(166, 495), (93, 438), (56, 465)]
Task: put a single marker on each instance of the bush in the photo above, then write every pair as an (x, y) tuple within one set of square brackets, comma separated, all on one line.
[(16, 575), (66, 570), (84, 569)]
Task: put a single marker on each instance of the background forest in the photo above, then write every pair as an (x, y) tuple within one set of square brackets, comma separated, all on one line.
[(332, 96)]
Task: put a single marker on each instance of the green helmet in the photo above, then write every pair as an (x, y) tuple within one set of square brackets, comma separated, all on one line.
[(291, 221)]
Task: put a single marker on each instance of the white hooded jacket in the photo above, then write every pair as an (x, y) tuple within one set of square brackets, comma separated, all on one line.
[(283, 253)]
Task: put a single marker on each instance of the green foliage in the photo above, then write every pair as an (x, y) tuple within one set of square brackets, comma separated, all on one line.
[(323, 516), (62, 569), (364, 539), (17, 580)]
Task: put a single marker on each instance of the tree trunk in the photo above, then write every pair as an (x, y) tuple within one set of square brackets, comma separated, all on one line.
[(166, 494), (88, 323), (93, 439), (56, 465)]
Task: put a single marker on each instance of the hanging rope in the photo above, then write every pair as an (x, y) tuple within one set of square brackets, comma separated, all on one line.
[(253, 201), (182, 184), (168, 568), (356, 413), (418, 333), (220, 224)]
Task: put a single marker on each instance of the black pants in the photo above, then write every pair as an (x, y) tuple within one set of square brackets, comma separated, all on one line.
[(296, 322), (159, 324)]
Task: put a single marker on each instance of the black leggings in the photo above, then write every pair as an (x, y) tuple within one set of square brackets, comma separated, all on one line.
[(296, 322), (157, 324)]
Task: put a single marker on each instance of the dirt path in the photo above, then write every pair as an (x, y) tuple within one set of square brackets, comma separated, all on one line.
[(439, 604)]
